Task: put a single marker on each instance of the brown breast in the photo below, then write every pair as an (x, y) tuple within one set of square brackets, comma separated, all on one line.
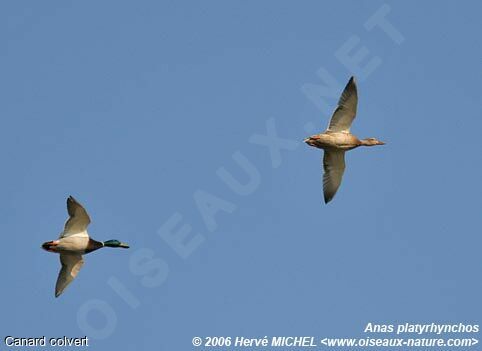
[(93, 245)]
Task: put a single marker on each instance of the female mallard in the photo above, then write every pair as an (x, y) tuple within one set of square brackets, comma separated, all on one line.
[(73, 243), (337, 139)]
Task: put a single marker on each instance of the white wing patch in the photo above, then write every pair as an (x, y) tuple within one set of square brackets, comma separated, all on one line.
[(78, 220), (71, 265), (346, 110), (334, 167)]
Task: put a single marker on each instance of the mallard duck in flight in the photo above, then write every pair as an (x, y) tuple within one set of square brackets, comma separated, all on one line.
[(337, 139), (74, 242)]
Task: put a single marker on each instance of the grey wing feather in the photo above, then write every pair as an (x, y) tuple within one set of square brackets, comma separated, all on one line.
[(333, 167), (71, 265), (78, 220), (346, 110)]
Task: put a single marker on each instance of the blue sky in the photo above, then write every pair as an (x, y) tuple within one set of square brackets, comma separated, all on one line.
[(133, 108)]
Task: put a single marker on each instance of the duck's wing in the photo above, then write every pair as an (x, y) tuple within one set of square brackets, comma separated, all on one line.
[(346, 110), (333, 167), (78, 220), (71, 265)]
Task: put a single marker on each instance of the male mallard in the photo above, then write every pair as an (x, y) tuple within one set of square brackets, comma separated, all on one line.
[(73, 242), (337, 139)]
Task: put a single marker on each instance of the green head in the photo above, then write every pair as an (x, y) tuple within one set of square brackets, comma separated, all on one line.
[(115, 243)]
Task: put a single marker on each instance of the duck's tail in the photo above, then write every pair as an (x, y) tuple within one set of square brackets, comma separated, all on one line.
[(49, 246)]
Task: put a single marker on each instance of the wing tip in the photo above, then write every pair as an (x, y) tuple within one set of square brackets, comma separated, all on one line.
[(327, 195), (352, 83)]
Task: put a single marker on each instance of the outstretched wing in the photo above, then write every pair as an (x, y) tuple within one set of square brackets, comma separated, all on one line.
[(78, 219), (333, 166), (71, 265), (346, 110)]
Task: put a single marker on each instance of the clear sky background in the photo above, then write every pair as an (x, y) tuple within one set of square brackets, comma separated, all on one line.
[(133, 107)]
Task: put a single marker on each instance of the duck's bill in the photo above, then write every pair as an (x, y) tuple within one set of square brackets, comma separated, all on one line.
[(125, 246)]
